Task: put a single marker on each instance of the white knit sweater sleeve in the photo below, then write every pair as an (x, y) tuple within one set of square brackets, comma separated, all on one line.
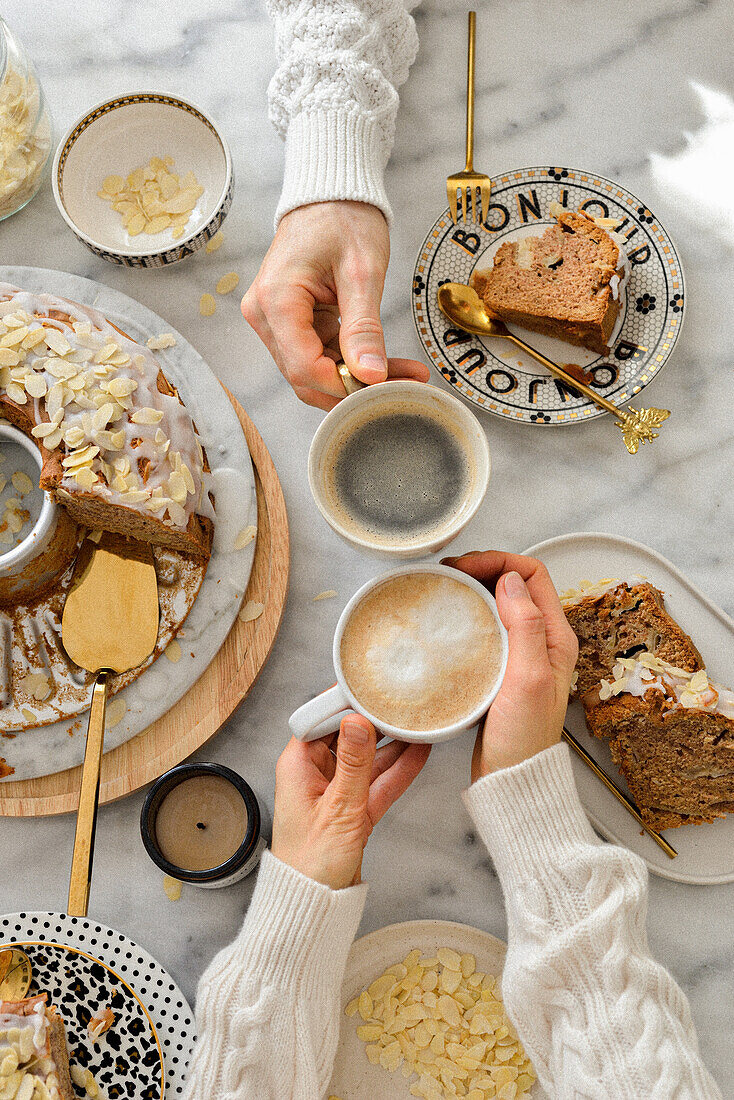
[(268, 1006), (598, 1016), (334, 95)]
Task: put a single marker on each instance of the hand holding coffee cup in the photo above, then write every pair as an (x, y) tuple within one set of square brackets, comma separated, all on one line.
[(399, 468), (530, 707), (419, 651)]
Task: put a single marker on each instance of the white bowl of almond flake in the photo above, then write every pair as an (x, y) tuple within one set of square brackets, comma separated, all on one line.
[(143, 180)]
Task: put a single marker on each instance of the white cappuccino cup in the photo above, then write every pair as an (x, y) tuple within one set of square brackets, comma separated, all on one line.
[(419, 651)]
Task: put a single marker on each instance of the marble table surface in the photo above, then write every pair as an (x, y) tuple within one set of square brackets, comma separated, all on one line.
[(642, 93)]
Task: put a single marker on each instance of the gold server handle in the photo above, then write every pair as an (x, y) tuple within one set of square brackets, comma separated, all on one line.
[(86, 818)]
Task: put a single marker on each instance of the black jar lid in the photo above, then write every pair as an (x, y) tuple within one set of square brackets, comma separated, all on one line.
[(163, 785)]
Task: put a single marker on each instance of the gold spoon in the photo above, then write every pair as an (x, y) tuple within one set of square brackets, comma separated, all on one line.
[(464, 308), (15, 974), (110, 624)]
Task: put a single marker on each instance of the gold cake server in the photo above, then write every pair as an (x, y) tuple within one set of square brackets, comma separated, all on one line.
[(110, 624), (465, 309)]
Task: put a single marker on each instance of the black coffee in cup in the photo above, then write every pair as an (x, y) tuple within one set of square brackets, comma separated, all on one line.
[(398, 474)]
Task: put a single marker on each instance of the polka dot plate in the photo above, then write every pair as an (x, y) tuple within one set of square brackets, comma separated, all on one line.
[(495, 374), (85, 968)]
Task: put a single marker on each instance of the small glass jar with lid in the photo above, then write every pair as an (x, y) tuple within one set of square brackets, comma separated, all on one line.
[(26, 130)]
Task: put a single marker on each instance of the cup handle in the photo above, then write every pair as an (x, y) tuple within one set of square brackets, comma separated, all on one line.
[(319, 716)]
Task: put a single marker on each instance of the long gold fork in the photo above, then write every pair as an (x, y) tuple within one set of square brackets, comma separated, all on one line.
[(469, 182)]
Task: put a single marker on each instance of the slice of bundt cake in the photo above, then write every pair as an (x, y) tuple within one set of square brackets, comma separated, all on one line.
[(33, 1048), (567, 283), (120, 450), (615, 618), (644, 689), (671, 733)]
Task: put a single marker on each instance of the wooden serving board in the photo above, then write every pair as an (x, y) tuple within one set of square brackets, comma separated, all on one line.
[(211, 700)]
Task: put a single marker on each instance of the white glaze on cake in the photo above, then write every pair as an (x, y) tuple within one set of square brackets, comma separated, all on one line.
[(689, 690), (100, 389)]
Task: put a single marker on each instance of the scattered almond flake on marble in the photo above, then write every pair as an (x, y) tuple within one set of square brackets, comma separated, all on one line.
[(172, 886), (173, 651), (228, 282), (115, 712), (207, 305), (21, 482), (252, 610), (164, 340), (245, 537), (327, 595), (216, 242), (29, 715)]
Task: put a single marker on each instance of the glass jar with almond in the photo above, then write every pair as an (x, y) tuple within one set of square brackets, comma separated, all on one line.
[(26, 129)]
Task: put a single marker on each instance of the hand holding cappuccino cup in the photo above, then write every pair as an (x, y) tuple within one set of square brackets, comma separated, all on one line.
[(419, 651)]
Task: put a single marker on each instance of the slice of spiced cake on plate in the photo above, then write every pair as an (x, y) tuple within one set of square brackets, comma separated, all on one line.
[(567, 283), (644, 689), (34, 1059)]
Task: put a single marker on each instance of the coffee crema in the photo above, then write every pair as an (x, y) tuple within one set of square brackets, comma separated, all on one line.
[(398, 475), (421, 651)]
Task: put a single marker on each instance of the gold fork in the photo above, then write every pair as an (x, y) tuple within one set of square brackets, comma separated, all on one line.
[(469, 182)]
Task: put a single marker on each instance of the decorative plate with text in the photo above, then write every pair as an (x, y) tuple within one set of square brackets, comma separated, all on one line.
[(498, 376)]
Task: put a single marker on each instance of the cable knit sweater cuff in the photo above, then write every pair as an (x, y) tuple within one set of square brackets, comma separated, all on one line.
[(529, 816), (333, 154), (297, 933)]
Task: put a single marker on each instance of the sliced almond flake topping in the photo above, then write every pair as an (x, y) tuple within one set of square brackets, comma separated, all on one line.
[(36, 684), (245, 537), (252, 610), (29, 716), (146, 415), (36, 385), (57, 341), (164, 340), (16, 393), (21, 482)]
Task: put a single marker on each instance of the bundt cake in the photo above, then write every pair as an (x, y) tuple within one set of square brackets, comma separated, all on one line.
[(120, 450), (567, 283)]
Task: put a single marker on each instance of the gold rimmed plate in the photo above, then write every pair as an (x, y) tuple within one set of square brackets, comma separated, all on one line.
[(85, 968), (498, 377)]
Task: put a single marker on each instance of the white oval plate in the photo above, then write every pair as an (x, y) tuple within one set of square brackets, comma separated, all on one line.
[(354, 1078), (495, 374), (60, 745), (705, 852), (157, 1018)]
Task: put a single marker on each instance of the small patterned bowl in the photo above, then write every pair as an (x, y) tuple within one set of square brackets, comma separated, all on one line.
[(120, 135)]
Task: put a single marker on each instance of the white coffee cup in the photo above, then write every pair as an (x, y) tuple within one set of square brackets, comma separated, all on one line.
[(402, 395), (322, 715)]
